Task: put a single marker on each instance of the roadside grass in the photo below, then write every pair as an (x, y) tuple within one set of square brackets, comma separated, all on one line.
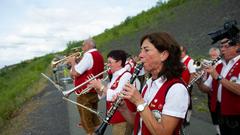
[(20, 82)]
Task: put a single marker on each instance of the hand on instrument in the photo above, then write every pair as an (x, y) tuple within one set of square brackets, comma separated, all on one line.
[(196, 75), (71, 60), (122, 106), (212, 71), (132, 94), (97, 84)]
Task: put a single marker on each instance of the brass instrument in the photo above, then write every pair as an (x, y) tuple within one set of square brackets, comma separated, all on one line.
[(86, 90), (76, 48), (112, 110), (60, 88), (68, 92), (99, 114), (199, 65), (65, 58)]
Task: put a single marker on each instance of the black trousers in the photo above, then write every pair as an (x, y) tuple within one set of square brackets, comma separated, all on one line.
[(214, 117), (229, 125)]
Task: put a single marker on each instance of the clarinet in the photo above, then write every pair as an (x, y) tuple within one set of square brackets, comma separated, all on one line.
[(113, 109)]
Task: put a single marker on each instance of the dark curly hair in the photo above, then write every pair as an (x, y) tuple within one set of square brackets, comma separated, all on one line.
[(162, 41)]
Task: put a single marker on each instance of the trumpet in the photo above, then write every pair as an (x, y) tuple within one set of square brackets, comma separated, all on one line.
[(86, 90), (68, 92), (199, 65), (76, 48), (65, 58)]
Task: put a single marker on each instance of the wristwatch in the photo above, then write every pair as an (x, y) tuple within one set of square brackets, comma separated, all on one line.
[(141, 107), (219, 78)]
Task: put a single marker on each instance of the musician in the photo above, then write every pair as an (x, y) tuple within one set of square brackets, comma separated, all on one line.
[(224, 81), (187, 76), (92, 63), (163, 103), (213, 53), (120, 76), (130, 64)]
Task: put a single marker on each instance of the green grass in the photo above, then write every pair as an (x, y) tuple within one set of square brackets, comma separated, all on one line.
[(19, 83), (201, 107)]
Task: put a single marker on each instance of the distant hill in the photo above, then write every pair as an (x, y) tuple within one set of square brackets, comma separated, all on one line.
[(188, 20)]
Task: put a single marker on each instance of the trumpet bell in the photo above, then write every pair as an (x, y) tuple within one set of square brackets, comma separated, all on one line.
[(77, 54)]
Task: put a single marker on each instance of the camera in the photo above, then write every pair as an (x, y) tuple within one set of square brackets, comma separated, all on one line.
[(230, 31)]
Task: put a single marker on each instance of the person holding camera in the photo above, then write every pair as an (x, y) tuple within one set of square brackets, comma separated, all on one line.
[(224, 80)]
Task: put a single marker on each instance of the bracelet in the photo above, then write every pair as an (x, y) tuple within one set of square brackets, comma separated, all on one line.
[(101, 89)]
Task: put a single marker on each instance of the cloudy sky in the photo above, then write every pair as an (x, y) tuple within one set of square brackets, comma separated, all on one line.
[(30, 28)]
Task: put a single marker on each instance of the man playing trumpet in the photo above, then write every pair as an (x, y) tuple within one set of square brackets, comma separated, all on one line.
[(224, 80), (92, 63)]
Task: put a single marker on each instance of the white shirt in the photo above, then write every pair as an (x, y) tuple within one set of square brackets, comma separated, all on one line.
[(176, 101), (190, 65), (86, 62), (226, 68), (122, 81)]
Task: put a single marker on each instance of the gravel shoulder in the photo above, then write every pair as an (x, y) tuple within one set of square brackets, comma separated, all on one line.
[(45, 114)]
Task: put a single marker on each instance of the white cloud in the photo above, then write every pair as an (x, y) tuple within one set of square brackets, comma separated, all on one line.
[(46, 26)]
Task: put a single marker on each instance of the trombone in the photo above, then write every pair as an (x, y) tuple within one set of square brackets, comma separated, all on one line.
[(68, 92), (65, 58)]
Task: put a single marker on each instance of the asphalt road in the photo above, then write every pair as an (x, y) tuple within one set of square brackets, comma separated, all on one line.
[(74, 116), (55, 116), (51, 115)]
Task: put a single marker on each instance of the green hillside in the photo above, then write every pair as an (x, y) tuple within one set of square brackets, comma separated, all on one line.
[(188, 20), (19, 83)]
